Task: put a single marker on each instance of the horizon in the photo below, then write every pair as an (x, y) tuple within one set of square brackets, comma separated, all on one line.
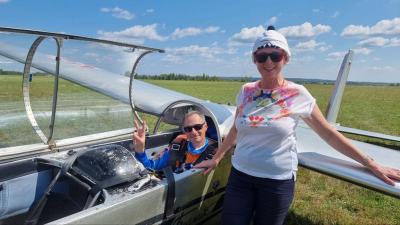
[(297, 79)]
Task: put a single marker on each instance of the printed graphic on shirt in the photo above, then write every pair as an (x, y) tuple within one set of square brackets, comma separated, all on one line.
[(259, 107)]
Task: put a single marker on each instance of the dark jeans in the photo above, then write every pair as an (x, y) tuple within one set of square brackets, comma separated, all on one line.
[(268, 200)]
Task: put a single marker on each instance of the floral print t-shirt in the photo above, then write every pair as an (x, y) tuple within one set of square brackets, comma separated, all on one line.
[(266, 123)]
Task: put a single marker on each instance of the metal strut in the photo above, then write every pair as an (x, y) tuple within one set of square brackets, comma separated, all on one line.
[(26, 85), (337, 94), (131, 78)]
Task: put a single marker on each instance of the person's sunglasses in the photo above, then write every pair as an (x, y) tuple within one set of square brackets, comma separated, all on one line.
[(197, 127), (274, 56)]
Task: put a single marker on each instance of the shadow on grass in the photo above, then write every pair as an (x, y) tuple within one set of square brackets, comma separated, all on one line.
[(294, 219)]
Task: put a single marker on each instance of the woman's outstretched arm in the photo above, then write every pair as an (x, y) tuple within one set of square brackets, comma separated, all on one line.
[(342, 144)]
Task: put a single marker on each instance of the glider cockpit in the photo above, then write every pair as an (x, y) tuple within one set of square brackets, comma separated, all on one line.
[(95, 174)]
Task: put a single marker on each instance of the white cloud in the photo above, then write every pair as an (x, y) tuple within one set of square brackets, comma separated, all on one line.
[(303, 59), (335, 14), (305, 30), (172, 59), (383, 27), (211, 29), (249, 35), (375, 41), (384, 68), (149, 10), (321, 12), (394, 42), (246, 35), (119, 13), (231, 51), (333, 56), (180, 55), (4, 1), (137, 33), (353, 30), (316, 10), (362, 51), (324, 48), (192, 31), (206, 52), (310, 46), (272, 20), (380, 42)]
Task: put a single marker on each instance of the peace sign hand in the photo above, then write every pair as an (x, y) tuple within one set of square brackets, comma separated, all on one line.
[(139, 136)]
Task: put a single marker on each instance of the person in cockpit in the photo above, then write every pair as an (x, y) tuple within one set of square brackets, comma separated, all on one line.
[(184, 151)]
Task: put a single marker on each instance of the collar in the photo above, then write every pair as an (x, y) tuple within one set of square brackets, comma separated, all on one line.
[(199, 150)]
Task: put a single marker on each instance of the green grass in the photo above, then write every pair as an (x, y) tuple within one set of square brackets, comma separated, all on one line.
[(319, 199)]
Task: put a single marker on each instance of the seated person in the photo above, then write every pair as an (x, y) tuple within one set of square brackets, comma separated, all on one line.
[(185, 150)]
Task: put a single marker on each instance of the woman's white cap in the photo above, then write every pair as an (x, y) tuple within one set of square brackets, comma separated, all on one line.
[(272, 39)]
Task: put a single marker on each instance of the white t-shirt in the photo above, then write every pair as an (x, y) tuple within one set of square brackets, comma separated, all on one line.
[(266, 123)]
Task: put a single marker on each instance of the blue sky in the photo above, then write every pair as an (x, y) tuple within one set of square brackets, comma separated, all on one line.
[(215, 37)]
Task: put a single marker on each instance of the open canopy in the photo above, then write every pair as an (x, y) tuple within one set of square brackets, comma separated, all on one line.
[(140, 95)]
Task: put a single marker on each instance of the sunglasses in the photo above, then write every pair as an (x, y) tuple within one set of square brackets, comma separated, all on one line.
[(197, 127), (274, 56)]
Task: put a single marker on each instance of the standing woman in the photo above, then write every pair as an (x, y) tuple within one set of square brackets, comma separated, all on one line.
[(262, 179)]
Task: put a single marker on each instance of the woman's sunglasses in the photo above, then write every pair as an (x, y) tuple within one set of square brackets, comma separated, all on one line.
[(197, 127), (274, 56)]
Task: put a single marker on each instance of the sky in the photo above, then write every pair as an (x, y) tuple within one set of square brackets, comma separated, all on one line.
[(215, 37)]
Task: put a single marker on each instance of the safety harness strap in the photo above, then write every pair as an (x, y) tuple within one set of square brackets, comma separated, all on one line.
[(170, 200)]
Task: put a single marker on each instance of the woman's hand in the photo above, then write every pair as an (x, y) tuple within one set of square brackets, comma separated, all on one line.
[(139, 137), (208, 165), (387, 174)]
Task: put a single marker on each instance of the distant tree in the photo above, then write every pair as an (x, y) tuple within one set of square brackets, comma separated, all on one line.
[(9, 72), (246, 78), (174, 76)]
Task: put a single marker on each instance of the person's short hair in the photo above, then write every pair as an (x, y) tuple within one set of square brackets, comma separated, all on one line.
[(194, 112)]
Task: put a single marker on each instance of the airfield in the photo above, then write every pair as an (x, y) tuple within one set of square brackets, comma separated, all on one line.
[(319, 199)]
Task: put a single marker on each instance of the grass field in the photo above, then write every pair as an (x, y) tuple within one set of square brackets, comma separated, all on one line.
[(319, 199)]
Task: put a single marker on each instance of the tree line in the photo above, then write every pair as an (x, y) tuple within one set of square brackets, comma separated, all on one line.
[(7, 72), (205, 77), (174, 76), (11, 72)]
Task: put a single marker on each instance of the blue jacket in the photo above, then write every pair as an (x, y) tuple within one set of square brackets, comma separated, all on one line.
[(155, 164), (162, 161)]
